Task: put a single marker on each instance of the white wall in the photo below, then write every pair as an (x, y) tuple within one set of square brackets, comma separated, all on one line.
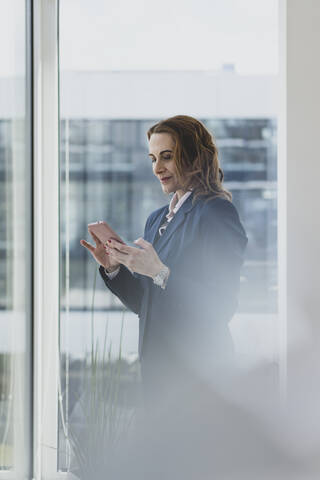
[(299, 174)]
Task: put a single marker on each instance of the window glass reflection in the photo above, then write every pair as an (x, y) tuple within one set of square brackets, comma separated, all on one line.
[(15, 242), (109, 96)]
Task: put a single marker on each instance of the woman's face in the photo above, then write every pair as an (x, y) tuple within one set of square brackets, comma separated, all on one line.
[(161, 146)]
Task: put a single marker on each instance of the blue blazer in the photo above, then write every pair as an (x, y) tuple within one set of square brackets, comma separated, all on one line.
[(203, 246)]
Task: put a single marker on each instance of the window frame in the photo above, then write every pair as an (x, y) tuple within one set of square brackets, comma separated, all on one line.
[(46, 238)]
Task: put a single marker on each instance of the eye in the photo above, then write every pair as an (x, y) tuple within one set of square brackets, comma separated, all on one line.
[(168, 157)]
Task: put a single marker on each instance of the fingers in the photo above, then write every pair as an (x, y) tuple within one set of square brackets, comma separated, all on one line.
[(142, 242), (87, 245), (118, 256), (120, 246), (95, 238)]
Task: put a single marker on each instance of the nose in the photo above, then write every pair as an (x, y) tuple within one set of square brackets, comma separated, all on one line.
[(158, 166)]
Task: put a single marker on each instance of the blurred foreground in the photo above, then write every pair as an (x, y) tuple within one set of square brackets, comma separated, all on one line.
[(233, 426)]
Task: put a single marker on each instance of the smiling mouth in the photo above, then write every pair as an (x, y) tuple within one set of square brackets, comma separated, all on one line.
[(165, 179)]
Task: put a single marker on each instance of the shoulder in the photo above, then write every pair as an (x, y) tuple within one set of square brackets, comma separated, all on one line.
[(220, 214), (217, 207)]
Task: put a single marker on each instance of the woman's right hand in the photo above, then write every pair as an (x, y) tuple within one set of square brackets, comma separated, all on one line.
[(99, 253)]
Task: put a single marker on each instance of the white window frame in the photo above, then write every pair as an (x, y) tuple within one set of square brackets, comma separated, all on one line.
[(46, 238)]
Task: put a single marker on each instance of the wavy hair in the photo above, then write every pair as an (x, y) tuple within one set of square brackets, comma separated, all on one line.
[(195, 156)]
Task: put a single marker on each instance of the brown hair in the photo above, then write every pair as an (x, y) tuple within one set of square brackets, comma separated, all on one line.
[(195, 155)]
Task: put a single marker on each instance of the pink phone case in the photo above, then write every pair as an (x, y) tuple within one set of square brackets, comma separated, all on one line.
[(104, 232)]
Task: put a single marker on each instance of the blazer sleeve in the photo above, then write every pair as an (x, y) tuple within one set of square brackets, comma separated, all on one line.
[(218, 249), (125, 285)]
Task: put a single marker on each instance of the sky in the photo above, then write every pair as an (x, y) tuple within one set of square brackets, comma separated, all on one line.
[(143, 35)]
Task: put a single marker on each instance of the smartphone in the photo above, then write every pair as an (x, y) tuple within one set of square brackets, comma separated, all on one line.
[(104, 232)]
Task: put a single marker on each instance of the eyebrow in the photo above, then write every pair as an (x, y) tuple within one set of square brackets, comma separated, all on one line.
[(163, 151)]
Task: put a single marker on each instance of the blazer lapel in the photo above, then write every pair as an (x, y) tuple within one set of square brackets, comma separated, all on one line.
[(152, 233), (177, 220)]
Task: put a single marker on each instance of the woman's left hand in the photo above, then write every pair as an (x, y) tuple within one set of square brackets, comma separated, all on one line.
[(142, 260)]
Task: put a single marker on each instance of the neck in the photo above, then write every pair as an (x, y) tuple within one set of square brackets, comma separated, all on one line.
[(180, 193)]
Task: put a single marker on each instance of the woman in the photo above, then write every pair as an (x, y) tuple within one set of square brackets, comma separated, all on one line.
[(183, 277)]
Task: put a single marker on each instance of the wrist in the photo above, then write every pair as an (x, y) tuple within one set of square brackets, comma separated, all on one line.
[(157, 270), (161, 278)]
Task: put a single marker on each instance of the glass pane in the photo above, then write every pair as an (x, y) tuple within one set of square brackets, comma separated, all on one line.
[(130, 70), (15, 242)]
